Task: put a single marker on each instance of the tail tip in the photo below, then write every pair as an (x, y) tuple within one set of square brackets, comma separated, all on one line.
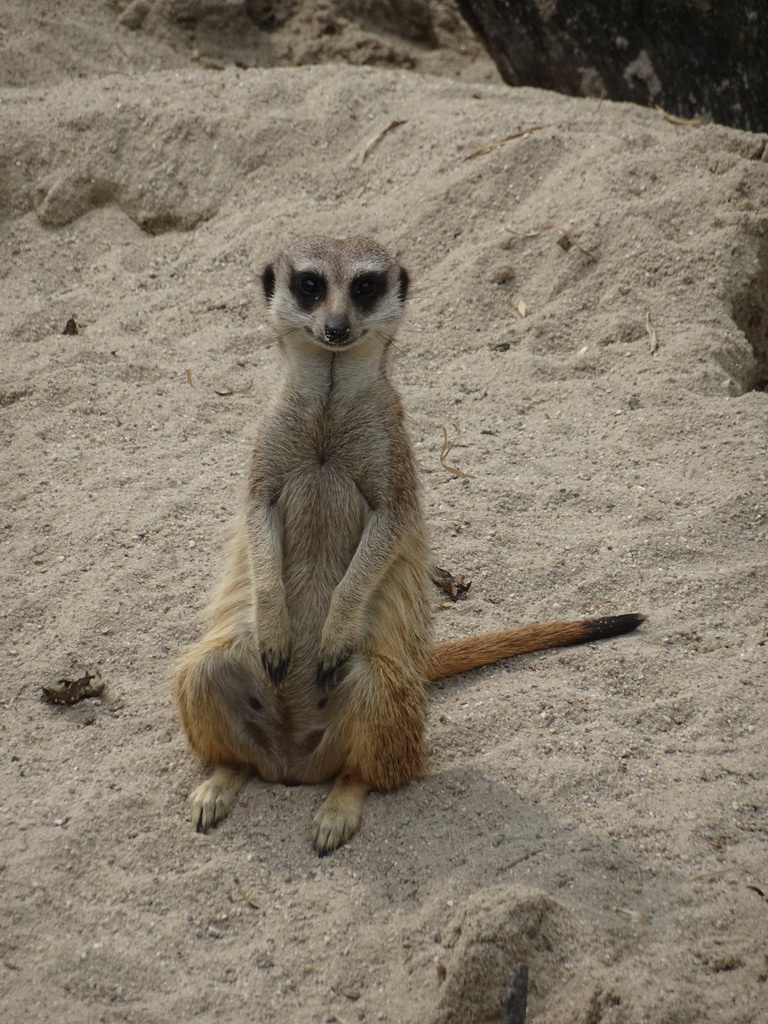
[(613, 625)]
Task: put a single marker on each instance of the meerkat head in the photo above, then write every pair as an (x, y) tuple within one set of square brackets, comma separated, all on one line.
[(336, 291)]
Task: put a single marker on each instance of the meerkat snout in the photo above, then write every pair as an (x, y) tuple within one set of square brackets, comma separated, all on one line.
[(337, 329), (335, 291)]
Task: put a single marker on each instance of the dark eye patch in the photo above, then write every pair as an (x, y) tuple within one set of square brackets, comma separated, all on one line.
[(308, 288), (268, 281), (404, 282), (367, 289)]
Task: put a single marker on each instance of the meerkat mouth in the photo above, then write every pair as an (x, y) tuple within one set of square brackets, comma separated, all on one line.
[(334, 343)]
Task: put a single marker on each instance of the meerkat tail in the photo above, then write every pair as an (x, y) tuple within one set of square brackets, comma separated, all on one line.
[(455, 656)]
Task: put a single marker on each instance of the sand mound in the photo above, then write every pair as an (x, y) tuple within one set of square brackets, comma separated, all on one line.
[(589, 325)]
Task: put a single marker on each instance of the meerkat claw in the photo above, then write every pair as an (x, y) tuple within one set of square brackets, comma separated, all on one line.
[(275, 669), (326, 674)]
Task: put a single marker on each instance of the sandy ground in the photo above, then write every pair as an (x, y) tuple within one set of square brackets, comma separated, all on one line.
[(597, 814)]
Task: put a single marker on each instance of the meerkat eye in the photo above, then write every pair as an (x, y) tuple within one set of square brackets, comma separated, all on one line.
[(311, 286), (367, 287), (364, 287)]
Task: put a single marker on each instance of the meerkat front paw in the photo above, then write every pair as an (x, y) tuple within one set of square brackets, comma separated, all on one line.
[(337, 645), (274, 663), (327, 670), (212, 801), (274, 629)]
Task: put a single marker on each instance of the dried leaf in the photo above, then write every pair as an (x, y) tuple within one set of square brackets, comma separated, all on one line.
[(69, 691), (454, 586), (522, 309), (70, 327)]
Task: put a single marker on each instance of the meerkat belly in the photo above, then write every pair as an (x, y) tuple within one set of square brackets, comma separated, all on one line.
[(323, 515), (289, 726)]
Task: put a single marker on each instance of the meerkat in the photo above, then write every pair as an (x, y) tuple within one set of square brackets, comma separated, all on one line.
[(319, 648)]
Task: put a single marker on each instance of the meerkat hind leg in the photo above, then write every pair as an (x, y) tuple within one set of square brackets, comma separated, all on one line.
[(212, 800), (339, 815)]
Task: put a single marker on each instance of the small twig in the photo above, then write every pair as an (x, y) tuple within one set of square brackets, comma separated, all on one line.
[(248, 899), (224, 389), (377, 138), (501, 142), (689, 122), (519, 860), (189, 378), (446, 449), (241, 892), (635, 916), (650, 330)]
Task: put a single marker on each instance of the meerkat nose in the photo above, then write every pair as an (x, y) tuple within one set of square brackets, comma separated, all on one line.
[(337, 329)]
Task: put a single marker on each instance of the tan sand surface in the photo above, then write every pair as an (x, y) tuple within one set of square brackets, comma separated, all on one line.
[(589, 328)]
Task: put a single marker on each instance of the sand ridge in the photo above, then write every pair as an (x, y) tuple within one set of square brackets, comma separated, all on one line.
[(597, 814)]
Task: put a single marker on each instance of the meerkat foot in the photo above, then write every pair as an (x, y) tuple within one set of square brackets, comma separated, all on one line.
[(339, 815), (211, 802)]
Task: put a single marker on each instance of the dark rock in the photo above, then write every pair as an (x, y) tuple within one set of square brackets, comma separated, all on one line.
[(692, 59)]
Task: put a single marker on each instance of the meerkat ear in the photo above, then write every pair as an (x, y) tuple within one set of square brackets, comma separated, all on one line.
[(404, 281), (268, 281)]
